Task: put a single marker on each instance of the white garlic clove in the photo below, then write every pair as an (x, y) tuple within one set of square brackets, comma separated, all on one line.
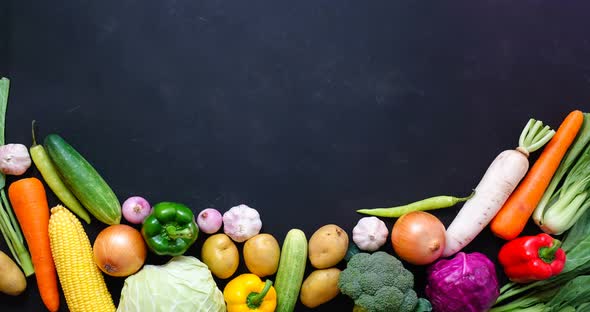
[(14, 159), (370, 233)]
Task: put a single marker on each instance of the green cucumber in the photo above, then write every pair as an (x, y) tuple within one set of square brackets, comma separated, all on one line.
[(291, 270), (83, 180)]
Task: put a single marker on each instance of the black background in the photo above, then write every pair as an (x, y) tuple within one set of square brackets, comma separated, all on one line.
[(304, 110)]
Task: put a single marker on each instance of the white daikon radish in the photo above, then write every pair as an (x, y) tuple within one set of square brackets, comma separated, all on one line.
[(498, 182)]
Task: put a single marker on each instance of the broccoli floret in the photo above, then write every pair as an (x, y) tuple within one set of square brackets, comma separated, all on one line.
[(423, 305), (378, 282)]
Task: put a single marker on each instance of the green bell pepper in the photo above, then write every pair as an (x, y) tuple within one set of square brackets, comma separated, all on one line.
[(170, 229)]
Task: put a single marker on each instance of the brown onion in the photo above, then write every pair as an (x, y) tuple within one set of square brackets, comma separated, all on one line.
[(119, 250), (418, 237)]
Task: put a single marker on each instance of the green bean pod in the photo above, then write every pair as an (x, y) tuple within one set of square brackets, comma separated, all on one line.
[(430, 203)]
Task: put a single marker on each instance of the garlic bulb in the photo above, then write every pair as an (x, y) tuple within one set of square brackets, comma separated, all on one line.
[(241, 223), (370, 233), (14, 159)]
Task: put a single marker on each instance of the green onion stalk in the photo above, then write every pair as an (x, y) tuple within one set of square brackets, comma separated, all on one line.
[(8, 225)]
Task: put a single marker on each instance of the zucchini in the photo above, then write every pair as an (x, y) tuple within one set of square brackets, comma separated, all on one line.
[(291, 270), (83, 180)]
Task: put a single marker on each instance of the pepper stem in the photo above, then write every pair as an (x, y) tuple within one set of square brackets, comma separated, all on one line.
[(254, 299), (173, 233), (547, 254), (464, 199), (33, 132)]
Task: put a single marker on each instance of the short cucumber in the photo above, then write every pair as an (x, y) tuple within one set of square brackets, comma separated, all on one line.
[(291, 270), (83, 180)]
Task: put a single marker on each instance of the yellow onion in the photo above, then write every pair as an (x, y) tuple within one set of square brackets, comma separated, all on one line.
[(418, 237), (119, 250)]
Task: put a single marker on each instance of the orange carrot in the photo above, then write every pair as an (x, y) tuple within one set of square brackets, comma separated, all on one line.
[(514, 215), (29, 203)]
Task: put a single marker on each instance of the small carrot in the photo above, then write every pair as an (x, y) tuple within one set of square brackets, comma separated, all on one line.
[(513, 216), (29, 203)]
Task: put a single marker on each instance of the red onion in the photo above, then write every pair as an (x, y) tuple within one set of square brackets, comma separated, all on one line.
[(136, 209), (209, 220)]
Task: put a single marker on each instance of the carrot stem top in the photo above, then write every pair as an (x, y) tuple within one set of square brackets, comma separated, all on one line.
[(534, 136)]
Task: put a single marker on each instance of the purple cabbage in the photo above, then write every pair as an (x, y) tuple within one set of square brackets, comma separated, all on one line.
[(467, 283)]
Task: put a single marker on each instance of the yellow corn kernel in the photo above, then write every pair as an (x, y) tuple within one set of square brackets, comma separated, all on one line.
[(81, 280)]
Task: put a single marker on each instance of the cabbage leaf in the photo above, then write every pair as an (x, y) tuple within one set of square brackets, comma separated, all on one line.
[(182, 284)]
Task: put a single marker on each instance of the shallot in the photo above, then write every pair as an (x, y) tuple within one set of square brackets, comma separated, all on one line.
[(209, 220), (135, 209)]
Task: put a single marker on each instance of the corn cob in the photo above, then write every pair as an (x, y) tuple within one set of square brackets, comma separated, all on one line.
[(81, 280)]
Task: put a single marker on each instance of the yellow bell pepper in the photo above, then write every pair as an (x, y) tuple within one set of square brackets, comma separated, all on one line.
[(247, 293)]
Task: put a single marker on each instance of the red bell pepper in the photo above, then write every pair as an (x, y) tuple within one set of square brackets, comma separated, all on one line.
[(532, 258)]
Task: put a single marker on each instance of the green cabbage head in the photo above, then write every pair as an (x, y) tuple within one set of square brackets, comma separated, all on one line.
[(182, 284)]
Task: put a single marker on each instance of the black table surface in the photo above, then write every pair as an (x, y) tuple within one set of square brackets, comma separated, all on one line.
[(304, 110)]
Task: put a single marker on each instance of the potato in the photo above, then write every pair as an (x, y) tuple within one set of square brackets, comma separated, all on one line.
[(327, 246), (261, 254), (320, 287), (221, 255), (12, 279)]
